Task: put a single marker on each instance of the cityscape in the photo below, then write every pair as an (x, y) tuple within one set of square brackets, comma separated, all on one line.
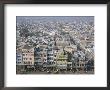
[(55, 45)]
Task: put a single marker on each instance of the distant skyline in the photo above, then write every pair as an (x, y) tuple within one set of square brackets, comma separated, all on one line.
[(56, 18)]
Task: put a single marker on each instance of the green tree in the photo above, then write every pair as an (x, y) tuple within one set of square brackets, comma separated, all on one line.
[(69, 56)]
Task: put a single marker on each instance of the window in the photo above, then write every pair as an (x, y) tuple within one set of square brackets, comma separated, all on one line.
[(23, 54), (50, 54), (28, 62), (25, 62), (25, 58), (19, 59), (50, 58), (50, 49), (19, 62), (18, 56), (32, 54), (30, 58)]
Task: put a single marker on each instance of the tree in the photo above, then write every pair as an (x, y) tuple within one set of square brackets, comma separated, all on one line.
[(69, 56)]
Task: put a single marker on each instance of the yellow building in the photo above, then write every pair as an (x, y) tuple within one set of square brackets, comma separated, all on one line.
[(61, 61)]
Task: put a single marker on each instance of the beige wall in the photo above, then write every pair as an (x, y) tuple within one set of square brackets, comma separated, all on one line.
[(28, 57)]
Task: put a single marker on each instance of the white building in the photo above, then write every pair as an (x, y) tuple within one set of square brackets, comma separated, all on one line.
[(28, 55)]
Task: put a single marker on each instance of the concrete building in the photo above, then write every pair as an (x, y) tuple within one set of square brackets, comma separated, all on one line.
[(40, 53), (19, 60), (62, 61), (37, 56), (28, 55), (60, 41), (50, 53), (78, 60)]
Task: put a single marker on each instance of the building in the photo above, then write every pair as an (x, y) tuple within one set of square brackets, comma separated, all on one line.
[(28, 55), (19, 60), (37, 57), (40, 54), (50, 55), (61, 61), (60, 41), (70, 48), (78, 60)]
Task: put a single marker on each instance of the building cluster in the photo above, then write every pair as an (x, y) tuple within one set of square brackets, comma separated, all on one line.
[(55, 46)]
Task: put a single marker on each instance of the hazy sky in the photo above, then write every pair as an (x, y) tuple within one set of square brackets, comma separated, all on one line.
[(56, 18)]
